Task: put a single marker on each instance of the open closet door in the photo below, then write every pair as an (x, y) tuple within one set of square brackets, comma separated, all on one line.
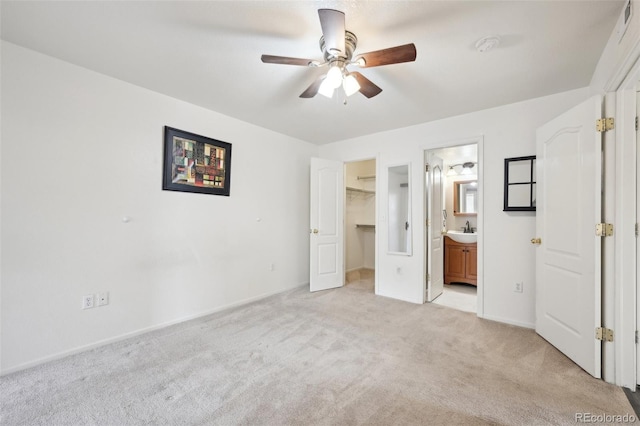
[(568, 261), (435, 240), (326, 263)]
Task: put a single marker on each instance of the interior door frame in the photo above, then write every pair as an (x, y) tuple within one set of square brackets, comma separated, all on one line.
[(621, 296), (479, 141), (621, 289)]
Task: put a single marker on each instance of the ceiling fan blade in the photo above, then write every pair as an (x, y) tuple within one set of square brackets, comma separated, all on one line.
[(312, 90), (392, 55), (367, 87), (332, 22), (270, 59)]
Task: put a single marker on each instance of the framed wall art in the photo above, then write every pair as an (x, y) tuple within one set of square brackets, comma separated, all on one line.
[(194, 163)]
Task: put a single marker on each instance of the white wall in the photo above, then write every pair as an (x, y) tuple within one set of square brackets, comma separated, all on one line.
[(80, 151), (360, 209), (509, 131)]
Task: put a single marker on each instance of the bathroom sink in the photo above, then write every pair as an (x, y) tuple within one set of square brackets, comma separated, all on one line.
[(461, 237)]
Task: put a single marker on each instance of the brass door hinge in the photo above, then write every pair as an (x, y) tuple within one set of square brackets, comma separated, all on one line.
[(604, 229), (604, 124), (604, 334)]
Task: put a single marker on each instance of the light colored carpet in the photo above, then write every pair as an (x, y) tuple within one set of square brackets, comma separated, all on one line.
[(341, 356)]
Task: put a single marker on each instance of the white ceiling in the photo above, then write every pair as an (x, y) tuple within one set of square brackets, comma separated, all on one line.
[(208, 53)]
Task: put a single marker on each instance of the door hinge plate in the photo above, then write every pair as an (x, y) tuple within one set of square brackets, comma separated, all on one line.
[(636, 124), (636, 336), (604, 334), (637, 230), (604, 229), (426, 168), (604, 124)]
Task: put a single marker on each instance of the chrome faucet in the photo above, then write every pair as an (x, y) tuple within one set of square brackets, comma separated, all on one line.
[(467, 228)]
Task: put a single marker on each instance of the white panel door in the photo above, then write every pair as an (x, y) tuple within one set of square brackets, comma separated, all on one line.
[(435, 241), (327, 213), (637, 239), (568, 263)]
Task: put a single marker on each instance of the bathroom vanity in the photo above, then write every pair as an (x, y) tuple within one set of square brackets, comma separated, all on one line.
[(460, 262)]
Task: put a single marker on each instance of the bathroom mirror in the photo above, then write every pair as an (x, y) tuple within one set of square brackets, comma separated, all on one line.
[(399, 210), (465, 198)]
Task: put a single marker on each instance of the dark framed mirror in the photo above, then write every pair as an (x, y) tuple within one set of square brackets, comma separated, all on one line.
[(520, 184)]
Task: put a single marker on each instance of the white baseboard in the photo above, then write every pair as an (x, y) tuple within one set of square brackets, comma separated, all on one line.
[(359, 268), (138, 332), (409, 300), (508, 321)]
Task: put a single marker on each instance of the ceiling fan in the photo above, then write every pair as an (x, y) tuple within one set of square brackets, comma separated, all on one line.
[(337, 45)]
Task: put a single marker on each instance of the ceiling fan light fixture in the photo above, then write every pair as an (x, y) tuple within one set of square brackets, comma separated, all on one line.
[(338, 46), (350, 85), (334, 76), (326, 88)]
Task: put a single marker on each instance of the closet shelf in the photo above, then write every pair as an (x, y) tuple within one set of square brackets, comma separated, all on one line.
[(366, 177), (363, 191), (365, 226)]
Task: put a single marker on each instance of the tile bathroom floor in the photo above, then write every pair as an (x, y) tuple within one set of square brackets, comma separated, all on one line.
[(459, 296)]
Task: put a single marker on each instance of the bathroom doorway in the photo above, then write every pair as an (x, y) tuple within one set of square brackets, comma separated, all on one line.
[(359, 224), (452, 210)]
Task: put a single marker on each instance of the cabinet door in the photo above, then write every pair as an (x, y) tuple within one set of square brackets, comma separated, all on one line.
[(455, 264), (472, 263)]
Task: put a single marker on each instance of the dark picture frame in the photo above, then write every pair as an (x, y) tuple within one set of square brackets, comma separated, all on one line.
[(520, 184), (195, 163)]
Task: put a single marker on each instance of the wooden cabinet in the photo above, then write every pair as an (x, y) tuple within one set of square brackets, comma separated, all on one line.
[(460, 262)]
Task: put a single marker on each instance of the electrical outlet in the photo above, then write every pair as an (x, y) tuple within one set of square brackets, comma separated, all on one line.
[(518, 287), (88, 301), (102, 298)]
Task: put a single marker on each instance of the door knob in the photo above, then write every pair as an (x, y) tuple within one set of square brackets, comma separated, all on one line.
[(315, 231), (536, 241)]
